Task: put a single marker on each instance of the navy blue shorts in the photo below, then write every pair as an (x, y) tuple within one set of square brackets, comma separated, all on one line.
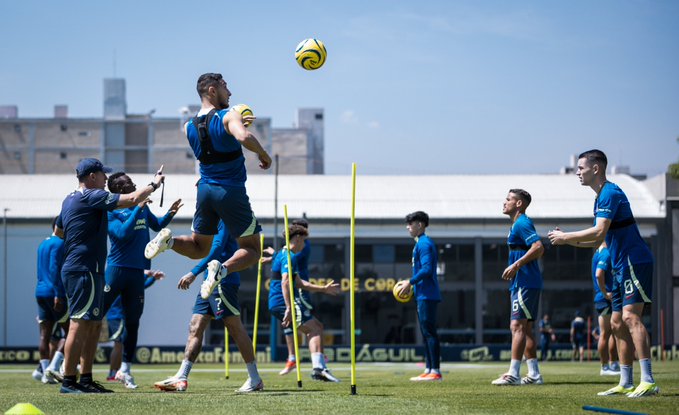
[(302, 314), (116, 330), (633, 285), (222, 303), (524, 303), (85, 294), (603, 308), (228, 203), (46, 310), (128, 283)]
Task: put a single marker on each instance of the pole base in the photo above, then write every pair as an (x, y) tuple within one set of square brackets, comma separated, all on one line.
[(353, 389), (299, 384)]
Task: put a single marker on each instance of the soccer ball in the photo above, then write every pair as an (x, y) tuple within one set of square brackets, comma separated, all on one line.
[(404, 298), (311, 54), (244, 110)]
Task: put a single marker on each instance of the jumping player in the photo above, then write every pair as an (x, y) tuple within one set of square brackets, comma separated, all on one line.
[(523, 272), (217, 137), (632, 268)]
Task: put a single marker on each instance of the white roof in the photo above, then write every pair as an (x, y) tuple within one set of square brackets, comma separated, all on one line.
[(377, 197)]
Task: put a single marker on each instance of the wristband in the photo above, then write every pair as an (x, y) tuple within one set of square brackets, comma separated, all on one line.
[(154, 186)]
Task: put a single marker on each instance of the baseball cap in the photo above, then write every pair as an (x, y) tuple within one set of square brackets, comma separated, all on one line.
[(90, 165)]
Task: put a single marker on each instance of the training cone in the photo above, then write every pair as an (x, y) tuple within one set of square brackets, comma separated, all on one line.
[(24, 409)]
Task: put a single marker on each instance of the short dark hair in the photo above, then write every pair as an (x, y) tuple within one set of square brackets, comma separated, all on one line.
[(523, 195), (207, 80), (595, 157), (418, 216), (114, 185), (295, 230), (301, 222), (54, 222)]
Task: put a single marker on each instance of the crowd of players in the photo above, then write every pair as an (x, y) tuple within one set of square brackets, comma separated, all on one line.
[(80, 281)]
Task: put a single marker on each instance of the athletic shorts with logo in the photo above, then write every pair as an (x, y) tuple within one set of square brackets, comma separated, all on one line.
[(524, 303), (228, 203), (116, 329), (632, 285), (302, 313), (221, 304), (85, 294), (46, 311)]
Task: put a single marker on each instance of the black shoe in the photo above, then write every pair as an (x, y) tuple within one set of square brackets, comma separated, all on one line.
[(95, 387), (73, 388)]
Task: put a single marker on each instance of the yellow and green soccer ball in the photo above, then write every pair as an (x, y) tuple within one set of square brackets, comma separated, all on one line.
[(244, 111), (311, 54)]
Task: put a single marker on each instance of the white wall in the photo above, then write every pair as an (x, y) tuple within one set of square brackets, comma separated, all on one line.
[(166, 314)]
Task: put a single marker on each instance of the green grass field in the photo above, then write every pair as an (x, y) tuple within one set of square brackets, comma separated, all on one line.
[(382, 389)]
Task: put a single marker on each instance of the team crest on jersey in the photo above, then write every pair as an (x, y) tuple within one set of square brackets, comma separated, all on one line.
[(95, 312)]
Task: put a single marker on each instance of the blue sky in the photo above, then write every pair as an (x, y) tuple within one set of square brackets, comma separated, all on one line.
[(431, 87)]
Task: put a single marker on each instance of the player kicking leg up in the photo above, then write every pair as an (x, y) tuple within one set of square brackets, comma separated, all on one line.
[(222, 304)]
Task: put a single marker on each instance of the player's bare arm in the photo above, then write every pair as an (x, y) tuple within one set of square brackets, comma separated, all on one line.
[(233, 123), (140, 195), (535, 252), (331, 288), (586, 238)]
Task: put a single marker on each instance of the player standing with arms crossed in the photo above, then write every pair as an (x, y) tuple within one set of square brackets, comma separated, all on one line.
[(632, 267), (525, 248)]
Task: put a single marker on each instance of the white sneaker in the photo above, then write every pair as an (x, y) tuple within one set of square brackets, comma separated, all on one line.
[(250, 386), (323, 375), (37, 375), (158, 244), (48, 380), (54, 375), (126, 379), (172, 384), (608, 372), (215, 272), (530, 380), (506, 380)]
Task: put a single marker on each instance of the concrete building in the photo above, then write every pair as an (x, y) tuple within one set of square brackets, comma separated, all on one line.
[(467, 225), (140, 143)]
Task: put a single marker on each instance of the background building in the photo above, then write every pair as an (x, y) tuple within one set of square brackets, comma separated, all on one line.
[(139, 143), (467, 225)]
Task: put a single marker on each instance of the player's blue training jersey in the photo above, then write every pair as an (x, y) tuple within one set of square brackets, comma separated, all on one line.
[(85, 223), (223, 247), (279, 266), (521, 236), (128, 231), (231, 173), (50, 258), (623, 238), (578, 326), (302, 258), (424, 281), (116, 310), (602, 260)]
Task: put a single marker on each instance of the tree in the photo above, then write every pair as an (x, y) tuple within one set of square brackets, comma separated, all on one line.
[(673, 168)]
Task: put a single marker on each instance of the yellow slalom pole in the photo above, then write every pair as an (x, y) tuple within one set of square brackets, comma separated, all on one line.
[(352, 267), (226, 353), (259, 286), (293, 308)]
